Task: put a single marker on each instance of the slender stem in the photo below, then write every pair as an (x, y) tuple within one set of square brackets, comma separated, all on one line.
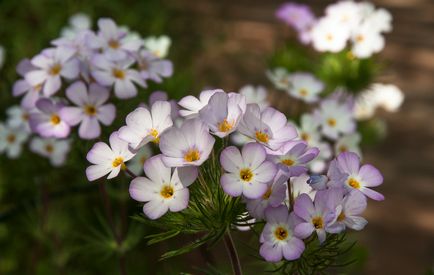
[(129, 172), (290, 197), (232, 253)]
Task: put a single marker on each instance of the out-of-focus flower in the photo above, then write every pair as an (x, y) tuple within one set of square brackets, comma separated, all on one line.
[(18, 117), (248, 171), (159, 46), (348, 143), (55, 150), (193, 105), (256, 95), (278, 237), (47, 122), (279, 77), (108, 159), (189, 145), (32, 93), (77, 23), (335, 118), (298, 16), (162, 189), (329, 35), (345, 13), (152, 67), (144, 126), (305, 86), (366, 42), (11, 140), (136, 163), (90, 110)]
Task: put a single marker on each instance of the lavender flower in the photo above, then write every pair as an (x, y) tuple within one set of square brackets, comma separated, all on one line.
[(48, 122)]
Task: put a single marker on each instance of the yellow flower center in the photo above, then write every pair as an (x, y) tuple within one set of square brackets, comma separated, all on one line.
[(38, 87), (341, 216), (262, 137), (153, 132), (318, 222), (167, 191), (49, 148), (288, 162), (11, 138), (331, 122), (281, 233), (359, 38), (343, 148), (90, 110), (119, 74), (55, 119), (267, 194), (305, 136), (55, 69), (246, 174), (329, 37), (225, 126), (192, 155), (354, 183), (114, 44), (303, 92), (119, 161)]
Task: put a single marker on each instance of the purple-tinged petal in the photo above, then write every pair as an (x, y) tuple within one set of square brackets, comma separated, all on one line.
[(293, 249), (253, 155), (180, 200), (89, 128), (303, 207), (304, 230), (231, 159), (155, 209), (372, 194), (106, 114), (231, 184), (370, 176), (270, 252)]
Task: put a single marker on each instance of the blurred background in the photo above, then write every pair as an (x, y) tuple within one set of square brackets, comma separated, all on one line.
[(224, 44)]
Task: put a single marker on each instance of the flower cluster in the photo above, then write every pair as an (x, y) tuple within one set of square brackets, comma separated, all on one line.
[(73, 82), (359, 24), (270, 171)]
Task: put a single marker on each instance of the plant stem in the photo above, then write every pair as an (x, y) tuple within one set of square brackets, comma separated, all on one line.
[(232, 253), (290, 197), (130, 173)]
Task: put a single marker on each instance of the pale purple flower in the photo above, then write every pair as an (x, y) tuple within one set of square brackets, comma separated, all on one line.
[(11, 140), (107, 159), (269, 127), (356, 177), (348, 210), (273, 197), (293, 156), (119, 74), (152, 67), (90, 110), (279, 77), (193, 105), (55, 150), (163, 188), (223, 113), (51, 65), (305, 86), (48, 122), (278, 237), (247, 172), (144, 126), (316, 216), (18, 117), (22, 87), (188, 145), (298, 16)]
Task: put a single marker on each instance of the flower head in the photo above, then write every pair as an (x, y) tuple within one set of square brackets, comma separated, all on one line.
[(11, 140), (305, 87), (329, 35), (159, 46), (18, 117), (48, 122), (298, 16), (55, 150), (256, 95), (335, 118), (279, 77), (193, 105), (152, 67)]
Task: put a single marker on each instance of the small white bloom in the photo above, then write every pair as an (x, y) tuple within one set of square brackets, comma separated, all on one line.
[(388, 96), (193, 105), (305, 86), (335, 118), (53, 149), (18, 117), (329, 35), (256, 95), (366, 42), (279, 77), (348, 143), (159, 46), (11, 140)]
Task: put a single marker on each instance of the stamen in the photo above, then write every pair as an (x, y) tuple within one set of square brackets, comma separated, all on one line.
[(281, 233), (49, 148), (90, 110), (167, 191), (331, 122), (11, 138), (225, 126), (114, 44), (303, 92), (192, 155), (318, 222), (55, 119), (288, 162), (262, 137), (354, 183), (55, 69), (118, 73), (341, 217), (153, 132), (118, 161), (246, 174)]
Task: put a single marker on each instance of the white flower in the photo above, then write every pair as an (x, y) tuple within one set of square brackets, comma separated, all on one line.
[(348, 143), (256, 95), (279, 77), (77, 22), (379, 20), (366, 42), (53, 149), (345, 13), (11, 140), (329, 35), (163, 189), (305, 86), (193, 105), (159, 46), (108, 159), (335, 118), (388, 96), (18, 117)]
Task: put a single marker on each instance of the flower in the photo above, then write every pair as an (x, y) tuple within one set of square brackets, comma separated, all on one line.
[(189, 145), (273, 197), (51, 65), (269, 127), (136, 163), (108, 159), (316, 216), (305, 87), (144, 126), (193, 105), (299, 185), (335, 118), (256, 95), (345, 13), (90, 109), (162, 96), (11, 140), (113, 41), (278, 237), (366, 42), (18, 118), (163, 189), (329, 35), (293, 156), (32, 93), (159, 46), (379, 20), (152, 67), (48, 122), (348, 143), (223, 113), (248, 172), (77, 22), (356, 177), (53, 149), (279, 77), (298, 16), (348, 209), (119, 74)]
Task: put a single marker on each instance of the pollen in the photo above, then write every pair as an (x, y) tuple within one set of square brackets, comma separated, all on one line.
[(55, 119), (267, 194), (153, 132), (288, 162), (341, 217), (55, 69), (360, 38), (305, 136), (343, 148), (90, 110), (192, 155), (49, 148), (262, 137), (331, 122), (225, 126), (354, 183), (303, 92), (114, 44), (119, 74), (118, 161), (246, 174), (167, 191), (11, 138), (329, 37), (281, 233), (318, 222)]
